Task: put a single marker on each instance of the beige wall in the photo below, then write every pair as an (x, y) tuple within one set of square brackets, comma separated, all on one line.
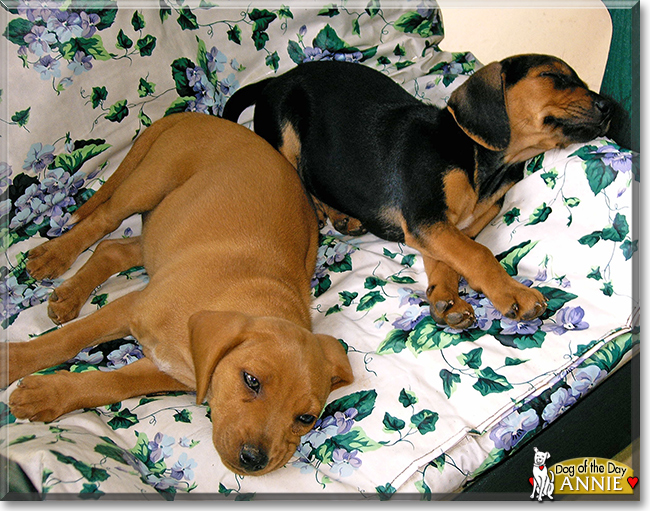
[(577, 31)]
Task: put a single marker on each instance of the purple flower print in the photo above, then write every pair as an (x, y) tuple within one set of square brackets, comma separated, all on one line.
[(39, 40), (216, 60), (89, 358), (412, 316), (65, 25), (323, 429), (48, 67), (345, 420), (349, 57), (39, 157), (561, 400), (88, 24), (407, 295), (124, 355), (344, 462), (567, 319), (612, 156), (80, 63), (229, 85), (161, 447), (315, 54), (513, 327), (182, 469), (586, 379), (5, 174), (513, 428), (58, 222)]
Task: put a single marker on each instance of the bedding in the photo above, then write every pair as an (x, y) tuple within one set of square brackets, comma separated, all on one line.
[(431, 408)]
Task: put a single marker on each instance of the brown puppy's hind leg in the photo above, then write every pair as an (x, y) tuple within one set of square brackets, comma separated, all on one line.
[(110, 257), (447, 307), (44, 398)]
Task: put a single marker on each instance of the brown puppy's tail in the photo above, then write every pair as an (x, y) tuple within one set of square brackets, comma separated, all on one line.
[(242, 99), (130, 162)]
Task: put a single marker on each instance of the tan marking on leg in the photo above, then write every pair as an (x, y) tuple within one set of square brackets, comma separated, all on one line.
[(290, 147)]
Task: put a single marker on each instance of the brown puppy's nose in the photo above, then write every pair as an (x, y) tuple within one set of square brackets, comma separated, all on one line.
[(252, 459)]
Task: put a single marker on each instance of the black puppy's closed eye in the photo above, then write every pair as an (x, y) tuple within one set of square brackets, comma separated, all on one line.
[(306, 419), (252, 382)]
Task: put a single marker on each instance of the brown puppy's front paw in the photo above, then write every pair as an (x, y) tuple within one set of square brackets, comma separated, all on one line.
[(450, 310), (37, 398), (49, 260), (64, 304), (519, 302)]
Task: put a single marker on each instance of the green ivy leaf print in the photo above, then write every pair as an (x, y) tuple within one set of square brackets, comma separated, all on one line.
[(17, 30), (514, 361), (619, 229), (510, 258), (328, 39), (123, 41), (273, 61), (98, 95), (363, 401), (373, 282), (73, 161), (187, 19), (123, 419), (407, 398), (179, 74), (425, 421), (471, 359), (386, 491), (392, 424), (146, 88), (183, 416), (373, 8), (607, 289), (599, 175), (535, 164), (146, 45), (490, 382), (369, 300), (329, 11), (137, 21), (511, 216), (90, 491), (111, 451), (629, 247), (539, 215), (89, 473), (118, 111), (21, 118), (234, 34), (92, 46), (449, 382), (591, 239)]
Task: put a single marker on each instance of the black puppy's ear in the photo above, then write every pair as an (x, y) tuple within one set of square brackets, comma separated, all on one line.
[(479, 108)]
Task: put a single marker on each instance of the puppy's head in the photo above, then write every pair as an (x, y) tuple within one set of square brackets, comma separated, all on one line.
[(527, 104), (540, 457), (266, 381)]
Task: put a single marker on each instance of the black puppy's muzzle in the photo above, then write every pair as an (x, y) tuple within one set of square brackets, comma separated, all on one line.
[(588, 124)]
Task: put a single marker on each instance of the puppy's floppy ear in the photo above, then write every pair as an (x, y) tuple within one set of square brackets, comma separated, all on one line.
[(212, 336), (479, 107), (338, 358)]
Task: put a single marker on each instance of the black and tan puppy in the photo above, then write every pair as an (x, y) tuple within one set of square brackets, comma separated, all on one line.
[(430, 177)]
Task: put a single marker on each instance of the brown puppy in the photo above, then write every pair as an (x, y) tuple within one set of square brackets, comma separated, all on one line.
[(415, 173), (226, 310)]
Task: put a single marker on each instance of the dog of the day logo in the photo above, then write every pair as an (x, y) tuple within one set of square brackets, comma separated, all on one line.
[(580, 476)]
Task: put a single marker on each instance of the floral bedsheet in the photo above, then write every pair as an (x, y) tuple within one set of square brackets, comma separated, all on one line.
[(431, 407)]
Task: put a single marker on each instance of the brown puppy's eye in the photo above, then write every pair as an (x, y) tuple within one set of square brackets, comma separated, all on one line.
[(251, 382), (306, 419)]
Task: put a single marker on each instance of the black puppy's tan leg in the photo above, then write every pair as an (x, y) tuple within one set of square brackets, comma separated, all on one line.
[(44, 398), (110, 257), (55, 347), (475, 262), (447, 307)]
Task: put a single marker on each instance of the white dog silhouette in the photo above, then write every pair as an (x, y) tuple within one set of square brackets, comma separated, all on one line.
[(543, 479)]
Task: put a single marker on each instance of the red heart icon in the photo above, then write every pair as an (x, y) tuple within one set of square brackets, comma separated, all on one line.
[(632, 481), (532, 481)]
